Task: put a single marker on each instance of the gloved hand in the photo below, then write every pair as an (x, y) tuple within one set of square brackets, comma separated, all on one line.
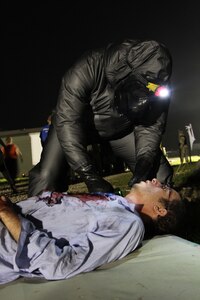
[(148, 175), (133, 180), (94, 182), (142, 172), (168, 181)]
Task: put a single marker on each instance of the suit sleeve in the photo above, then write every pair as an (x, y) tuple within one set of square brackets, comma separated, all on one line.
[(148, 139), (72, 111)]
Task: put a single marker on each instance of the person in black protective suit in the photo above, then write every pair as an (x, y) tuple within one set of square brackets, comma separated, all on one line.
[(109, 94)]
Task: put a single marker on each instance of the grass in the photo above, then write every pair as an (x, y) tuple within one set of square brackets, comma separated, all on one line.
[(119, 181)]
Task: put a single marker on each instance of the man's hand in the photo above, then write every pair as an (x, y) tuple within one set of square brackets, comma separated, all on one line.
[(9, 217)]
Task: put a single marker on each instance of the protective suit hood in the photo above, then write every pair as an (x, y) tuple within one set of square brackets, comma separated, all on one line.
[(150, 59)]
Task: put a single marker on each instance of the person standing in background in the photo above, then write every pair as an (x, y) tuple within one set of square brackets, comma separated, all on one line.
[(183, 147), (11, 154), (4, 170), (44, 131)]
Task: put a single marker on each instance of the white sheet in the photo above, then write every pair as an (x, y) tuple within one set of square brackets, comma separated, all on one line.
[(166, 267)]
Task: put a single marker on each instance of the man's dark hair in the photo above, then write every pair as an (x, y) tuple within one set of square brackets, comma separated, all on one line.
[(190, 229), (172, 221)]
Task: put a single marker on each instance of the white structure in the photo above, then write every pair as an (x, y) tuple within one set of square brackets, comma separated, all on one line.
[(36, 147), (29, 143)]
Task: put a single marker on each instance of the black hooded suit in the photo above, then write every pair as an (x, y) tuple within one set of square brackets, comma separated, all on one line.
[(87, 112)]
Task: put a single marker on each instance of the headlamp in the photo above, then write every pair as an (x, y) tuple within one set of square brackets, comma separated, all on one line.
[(159, 91), (133, 97), (162, 91)]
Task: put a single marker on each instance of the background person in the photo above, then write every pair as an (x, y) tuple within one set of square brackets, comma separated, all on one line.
[(183, 147), (4, 170), (12, 153), (60, 235), (111, 94), (44, 131)]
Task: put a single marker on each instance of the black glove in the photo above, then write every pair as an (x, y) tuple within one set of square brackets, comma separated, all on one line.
[(142, 172), (94, 182), (133, 180), (168, 181)]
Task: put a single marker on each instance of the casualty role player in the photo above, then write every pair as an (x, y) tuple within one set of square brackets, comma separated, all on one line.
[(117, 94)]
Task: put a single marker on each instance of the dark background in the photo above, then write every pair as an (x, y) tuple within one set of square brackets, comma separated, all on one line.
[(40, 41)]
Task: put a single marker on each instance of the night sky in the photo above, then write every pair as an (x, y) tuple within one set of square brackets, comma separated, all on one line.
[(40, 42)]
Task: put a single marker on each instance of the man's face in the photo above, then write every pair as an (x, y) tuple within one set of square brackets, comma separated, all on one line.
[(154, 189), (147, 194)]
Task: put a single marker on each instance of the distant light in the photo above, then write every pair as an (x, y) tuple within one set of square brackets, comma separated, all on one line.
[(162, 91)]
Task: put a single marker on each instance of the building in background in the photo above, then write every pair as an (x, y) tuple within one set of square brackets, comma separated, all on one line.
[(30, 145)]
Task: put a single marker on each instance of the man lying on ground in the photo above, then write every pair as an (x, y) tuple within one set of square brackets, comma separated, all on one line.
[(57, 236)]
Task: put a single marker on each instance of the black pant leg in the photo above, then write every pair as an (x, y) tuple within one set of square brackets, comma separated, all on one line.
[(125, 149), (52, 172)]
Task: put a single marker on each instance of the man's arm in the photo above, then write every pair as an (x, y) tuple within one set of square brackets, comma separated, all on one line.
[(9, 217)]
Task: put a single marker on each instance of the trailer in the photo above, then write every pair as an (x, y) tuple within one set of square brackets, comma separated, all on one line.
[(28, 140)]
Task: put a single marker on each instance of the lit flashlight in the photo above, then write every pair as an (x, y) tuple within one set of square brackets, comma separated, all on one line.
[(159, 91), (162, 91)]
